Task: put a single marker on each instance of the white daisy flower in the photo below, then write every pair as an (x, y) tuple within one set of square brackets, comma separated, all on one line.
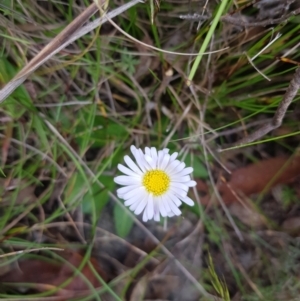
[(157, 183)]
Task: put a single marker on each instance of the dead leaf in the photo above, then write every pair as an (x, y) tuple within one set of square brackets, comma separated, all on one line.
[(160, 286), (47, 275), (25, 193), (140, 289), (258, 177)]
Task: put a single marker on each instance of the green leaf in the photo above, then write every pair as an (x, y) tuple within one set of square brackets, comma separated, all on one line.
[(123, 222)]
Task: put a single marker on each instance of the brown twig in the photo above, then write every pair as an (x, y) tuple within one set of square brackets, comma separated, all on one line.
[(240, 22), (276, 121), (243, 7), (60, 39), (71, 33)]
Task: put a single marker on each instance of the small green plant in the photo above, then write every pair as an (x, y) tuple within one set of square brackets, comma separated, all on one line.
[(289, 196), (128, 62), (219, 285)]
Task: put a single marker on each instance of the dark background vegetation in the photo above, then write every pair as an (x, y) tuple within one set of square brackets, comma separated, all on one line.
[(63, 233)]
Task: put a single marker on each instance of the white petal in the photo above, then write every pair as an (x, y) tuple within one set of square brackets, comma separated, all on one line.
[(186, 171), (141, 206), (145, 216), (166, 203), (170, 214), (182, 179), (174, 208), (179, 168), (151, 162), (178, 192), (160, 158), (126, 180), (133, 149), (175, 199), (135, 198), (131, 201), (164, 162), (188, 201), (154, 154), (172, 166), (140, 191), (132, 165), (134, 206), (156, 209), (127, 171), (182, 186), (142, 161), (137, 156), (148, 151), (191, 183), (171, 205), (157, 216), (125, 189), (166, 150), (150, 207), (162, 208), (173, 157)]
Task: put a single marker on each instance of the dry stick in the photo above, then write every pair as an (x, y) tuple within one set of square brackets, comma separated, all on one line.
[(239, 9), (61, 38), (71, 33), (276, 121), (30, 250), (240, 22)]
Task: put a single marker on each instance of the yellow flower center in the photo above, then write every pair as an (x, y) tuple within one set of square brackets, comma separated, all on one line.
[(156, 182)]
